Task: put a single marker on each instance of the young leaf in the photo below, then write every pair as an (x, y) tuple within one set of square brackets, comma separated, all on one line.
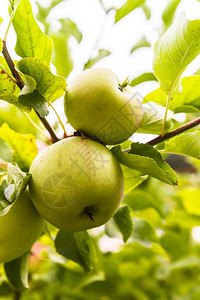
[(102, 53), (174, 51), (186, 101), (31, 41), (123, 220), (76, 246), (187, 143), (152, 119), (169, 12), (141, 43), (4, 202), (126, 8), (147, 160), (50, 86), (23, 146), (6, 154), (17, 272)]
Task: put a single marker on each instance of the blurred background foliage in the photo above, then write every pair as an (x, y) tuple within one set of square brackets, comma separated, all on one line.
[(161, 259)]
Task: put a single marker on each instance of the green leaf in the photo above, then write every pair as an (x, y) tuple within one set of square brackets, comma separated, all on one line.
[(187, 143), (62, 58), (186, 101), (175, 244), (17, 272), (146, 159), (132, 178), (23, 146), (190, 199), (9, 91), (139, 200), (31, 41), (50, 86), (143, 78), (78, 247), (1, 43), (147, 10), (152, 119), (123, 220), (6, 154), (169, 12), (4, 202), (174, 51), (126, 8), (141, 43), (143, 231), (101, 54), (1, 20), (70, 28)]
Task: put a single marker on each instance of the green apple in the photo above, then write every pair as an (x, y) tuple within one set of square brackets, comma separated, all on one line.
[(20, 226), (99, 106), (76, 184)]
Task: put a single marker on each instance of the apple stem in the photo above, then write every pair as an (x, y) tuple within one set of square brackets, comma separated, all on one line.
[(124, 84)]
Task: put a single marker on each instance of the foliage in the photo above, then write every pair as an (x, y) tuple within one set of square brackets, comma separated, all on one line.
[(150, 248)]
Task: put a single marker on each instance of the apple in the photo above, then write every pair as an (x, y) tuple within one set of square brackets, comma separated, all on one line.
[(20, 226), (76, 184), (98, 105)]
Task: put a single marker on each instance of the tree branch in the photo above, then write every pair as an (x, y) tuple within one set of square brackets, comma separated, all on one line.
[(174, 132), (20, 84)]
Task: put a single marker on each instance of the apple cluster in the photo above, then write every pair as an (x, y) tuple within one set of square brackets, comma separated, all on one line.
[(77, 183)]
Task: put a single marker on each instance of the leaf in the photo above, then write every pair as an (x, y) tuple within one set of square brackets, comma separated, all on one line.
[(123, 220), (174, 51), (70, 28), (132, 178), (146, 10), (101, 54), (23, 146), (139, 200), (175, 244), (62, 58), (17, 272), (31, 41), (141, 43), (78, 247), (169, 12), (187, 143), (126, 8), (190, 199), (146, 159), (152, 119), (186, 101), (143, 78), (143, 231), (9, 91), (4, 202), (6, 154), (50, 86)]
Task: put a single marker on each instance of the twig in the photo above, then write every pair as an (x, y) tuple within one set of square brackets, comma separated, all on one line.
[(17, 295), (21, 84), (175, 132)]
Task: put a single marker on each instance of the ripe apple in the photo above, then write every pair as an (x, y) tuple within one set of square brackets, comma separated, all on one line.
[(20, 226), (76, 184), (99, 106)]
